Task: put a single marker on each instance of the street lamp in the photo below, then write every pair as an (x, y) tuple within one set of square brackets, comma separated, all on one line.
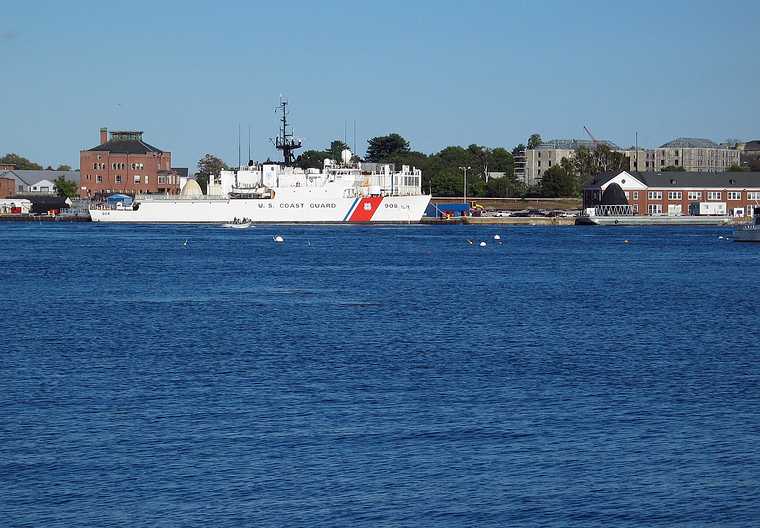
[(465, 169)]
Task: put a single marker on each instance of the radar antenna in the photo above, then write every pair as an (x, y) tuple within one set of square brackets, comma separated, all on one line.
[(286, 142)]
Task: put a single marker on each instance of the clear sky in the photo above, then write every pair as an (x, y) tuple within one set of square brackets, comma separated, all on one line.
[(439, 73)]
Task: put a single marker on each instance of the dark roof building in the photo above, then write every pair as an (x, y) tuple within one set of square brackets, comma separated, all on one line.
[(676, 193), (124, 163), (125, 142)]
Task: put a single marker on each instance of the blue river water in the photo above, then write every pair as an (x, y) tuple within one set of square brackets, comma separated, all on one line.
[(378, 376)]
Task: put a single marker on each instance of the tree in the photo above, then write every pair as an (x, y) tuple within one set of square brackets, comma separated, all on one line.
[(534, 140), (557, 183), (736, 168), (672, 168), (64, 187), (382, 148), (63, 168), (336, 148), (209, 165), (19, 162), (312, 159)]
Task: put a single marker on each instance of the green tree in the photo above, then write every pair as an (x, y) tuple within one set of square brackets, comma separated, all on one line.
[(209, 165), (312, 159), (19, 162), (736, 168), (382, 148), (672, 168), (63, 168), (64, 187), (557, 183), (534, 140), (336, 148)]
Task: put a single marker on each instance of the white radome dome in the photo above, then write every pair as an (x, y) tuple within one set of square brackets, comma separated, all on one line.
[(191, 188)]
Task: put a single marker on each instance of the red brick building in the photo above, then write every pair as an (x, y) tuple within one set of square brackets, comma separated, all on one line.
[(7, 187), (126, 164), (680, 193)]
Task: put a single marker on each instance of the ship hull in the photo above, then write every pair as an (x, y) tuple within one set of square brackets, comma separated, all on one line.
[(747, 233), (314, 207)]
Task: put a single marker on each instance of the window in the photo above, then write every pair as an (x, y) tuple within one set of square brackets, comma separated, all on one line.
[(635, 208), (713, 195), (113, 166), (655, 209), (662, 163), (655, 195), (695, 195), (753, 196), (734, 195), (675, 195), (137, 178), (626, 195), (676, 162), (99, 179), (94, 166), (636, 196), (146, 179), (118, 178), (162, 179), (550, 163), (539, 163)]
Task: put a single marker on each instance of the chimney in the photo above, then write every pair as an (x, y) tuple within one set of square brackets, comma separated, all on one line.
[(103, 135)]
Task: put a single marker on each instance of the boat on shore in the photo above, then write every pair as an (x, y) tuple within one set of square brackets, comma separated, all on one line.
[(750, 231), (341, 192)]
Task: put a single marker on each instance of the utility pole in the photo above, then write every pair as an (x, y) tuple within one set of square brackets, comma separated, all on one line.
[(465, 169)]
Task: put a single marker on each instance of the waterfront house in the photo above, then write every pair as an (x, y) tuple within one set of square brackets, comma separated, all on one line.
[(679, 193)]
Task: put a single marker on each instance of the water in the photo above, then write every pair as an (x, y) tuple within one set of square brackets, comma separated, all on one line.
[(379, 376)]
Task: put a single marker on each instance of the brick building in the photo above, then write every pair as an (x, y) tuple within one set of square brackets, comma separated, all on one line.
[(126, 164), (7, 187), (680, 193)]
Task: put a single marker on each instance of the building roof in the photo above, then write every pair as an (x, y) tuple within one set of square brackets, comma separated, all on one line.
[(676, 179), (572, 144), (31, 177), (129, 146), (181, 171), (690, 143), (752, 146)]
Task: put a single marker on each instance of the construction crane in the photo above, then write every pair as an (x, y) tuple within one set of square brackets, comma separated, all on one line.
[(593, 139)]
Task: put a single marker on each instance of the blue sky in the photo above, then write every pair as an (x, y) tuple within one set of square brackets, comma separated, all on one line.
[(439, 73)]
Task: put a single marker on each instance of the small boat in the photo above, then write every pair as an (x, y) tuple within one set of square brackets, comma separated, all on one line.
[(749, 232), (238, 225)]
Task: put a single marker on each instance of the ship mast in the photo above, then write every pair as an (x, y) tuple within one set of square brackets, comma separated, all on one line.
[(285, 141)]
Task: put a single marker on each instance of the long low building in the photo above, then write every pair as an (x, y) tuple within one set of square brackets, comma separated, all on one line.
[(680, 193)]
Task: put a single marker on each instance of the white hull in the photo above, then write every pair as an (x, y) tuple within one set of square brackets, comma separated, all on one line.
[(288, 206)]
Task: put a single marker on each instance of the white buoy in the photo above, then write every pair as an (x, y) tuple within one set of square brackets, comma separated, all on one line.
[(496, 237), (470, 241), (482, 244), (720, 237), (278, 239), (185, 243)]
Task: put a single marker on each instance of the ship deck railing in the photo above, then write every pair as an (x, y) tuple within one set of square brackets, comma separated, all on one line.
[(178, 198)]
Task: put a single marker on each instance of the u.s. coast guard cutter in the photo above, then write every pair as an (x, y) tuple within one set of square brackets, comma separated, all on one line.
[(345, 192)]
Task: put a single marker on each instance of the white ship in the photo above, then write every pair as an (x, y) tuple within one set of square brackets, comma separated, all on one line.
[(346, 192)]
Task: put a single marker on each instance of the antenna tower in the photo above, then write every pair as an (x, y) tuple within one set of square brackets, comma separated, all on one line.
[(285, 141)]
